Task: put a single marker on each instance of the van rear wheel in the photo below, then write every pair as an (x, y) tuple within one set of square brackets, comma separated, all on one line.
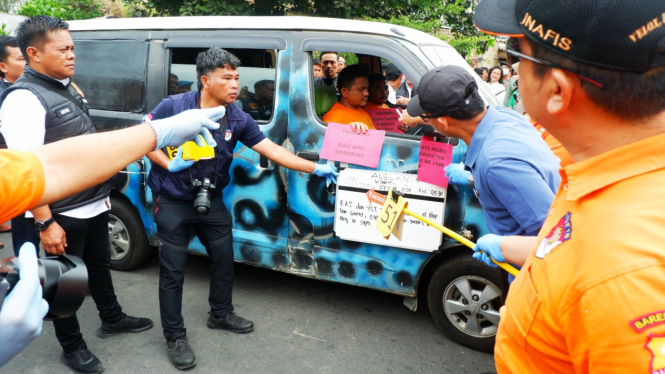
[(129, 243), (464, 297)]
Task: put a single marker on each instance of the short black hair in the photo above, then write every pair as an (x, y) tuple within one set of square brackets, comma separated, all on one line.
[(32, 32), (316, 61), (478, 71), (375, 77), (262, 83), (325, 53), (627, 95), (6, 41), (213, 59), (348, 75), (392, 72), (475, 107), (171, 75)]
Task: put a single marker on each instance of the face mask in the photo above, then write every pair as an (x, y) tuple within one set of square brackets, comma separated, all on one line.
[(506, 72)]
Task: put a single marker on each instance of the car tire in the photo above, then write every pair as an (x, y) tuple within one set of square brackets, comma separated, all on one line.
[(464, 297), (129, 243)]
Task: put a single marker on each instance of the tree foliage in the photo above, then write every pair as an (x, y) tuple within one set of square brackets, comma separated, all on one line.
[(424, 15), (65, 9)]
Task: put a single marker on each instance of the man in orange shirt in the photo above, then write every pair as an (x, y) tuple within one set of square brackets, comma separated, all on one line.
[(352, 86), (378, 92), (589, 297), (52, 172)]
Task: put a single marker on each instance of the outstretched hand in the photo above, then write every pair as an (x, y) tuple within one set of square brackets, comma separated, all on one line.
[(326, 171), (456, 174), (176, 130)]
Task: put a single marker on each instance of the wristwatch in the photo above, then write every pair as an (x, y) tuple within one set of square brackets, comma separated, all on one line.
[(43, 225)]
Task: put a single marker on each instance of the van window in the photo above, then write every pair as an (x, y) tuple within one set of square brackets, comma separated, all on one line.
[(256, 95), (384, 105), (112, 74)]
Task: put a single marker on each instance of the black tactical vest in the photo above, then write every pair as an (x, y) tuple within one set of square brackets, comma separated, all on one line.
[(64, 119)]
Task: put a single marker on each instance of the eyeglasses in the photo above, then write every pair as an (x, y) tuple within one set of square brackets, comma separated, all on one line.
[(515, 55), (426, 118)]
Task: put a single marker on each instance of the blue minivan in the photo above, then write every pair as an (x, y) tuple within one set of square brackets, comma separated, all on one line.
[(282, 219)]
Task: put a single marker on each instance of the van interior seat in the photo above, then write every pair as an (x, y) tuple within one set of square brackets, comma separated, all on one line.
[(324, 99)]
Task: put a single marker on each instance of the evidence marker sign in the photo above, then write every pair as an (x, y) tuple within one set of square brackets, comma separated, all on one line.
[(355, 218)]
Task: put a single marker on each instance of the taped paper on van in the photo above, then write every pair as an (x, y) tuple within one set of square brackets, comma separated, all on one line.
[(356, 219), (343, 144)]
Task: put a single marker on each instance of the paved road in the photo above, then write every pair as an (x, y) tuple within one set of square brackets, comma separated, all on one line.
[(302, 326)]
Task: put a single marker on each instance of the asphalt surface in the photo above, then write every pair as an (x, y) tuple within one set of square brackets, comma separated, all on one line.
[(301, 326)]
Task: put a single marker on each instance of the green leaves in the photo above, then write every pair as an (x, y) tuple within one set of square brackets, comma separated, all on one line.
[(65, 9)]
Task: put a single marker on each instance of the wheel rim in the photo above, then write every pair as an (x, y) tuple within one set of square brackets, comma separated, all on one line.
[(119, 238), (472, 305)]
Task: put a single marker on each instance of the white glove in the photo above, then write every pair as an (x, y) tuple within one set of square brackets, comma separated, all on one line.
[(176, 130), (23, 310)]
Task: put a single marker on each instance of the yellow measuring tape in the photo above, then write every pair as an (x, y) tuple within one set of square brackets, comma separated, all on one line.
[(379, 199)]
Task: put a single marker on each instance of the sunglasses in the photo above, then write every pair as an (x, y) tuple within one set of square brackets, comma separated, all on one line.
[(515, 55)]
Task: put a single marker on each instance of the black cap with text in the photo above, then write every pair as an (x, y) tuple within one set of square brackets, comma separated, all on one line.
[(616, 35), (441, 91)]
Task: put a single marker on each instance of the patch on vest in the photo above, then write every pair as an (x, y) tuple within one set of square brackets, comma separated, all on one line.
[(227, 135), (559, 234), (648, 321), (656, 346), (65, 111), (253, 106)]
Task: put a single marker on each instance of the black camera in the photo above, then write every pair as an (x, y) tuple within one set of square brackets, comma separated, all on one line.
[(202, 201), (64, 282)]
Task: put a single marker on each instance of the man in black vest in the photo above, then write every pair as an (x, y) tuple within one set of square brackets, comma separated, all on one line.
[(44, 107)]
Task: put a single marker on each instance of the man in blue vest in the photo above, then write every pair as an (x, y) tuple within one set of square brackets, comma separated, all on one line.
[(43, 107), (177, 186)]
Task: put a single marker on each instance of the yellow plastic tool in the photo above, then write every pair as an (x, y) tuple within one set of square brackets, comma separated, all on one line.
[(379, 199), (192, 152)]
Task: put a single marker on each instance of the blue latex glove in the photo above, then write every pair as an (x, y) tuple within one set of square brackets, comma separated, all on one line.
[(456, 174), (178, 163), (23, 310), (176, 130), (490, 245), (326, 171)]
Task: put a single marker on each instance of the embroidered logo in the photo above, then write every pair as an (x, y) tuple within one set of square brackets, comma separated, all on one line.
[(65, 111), (559, 234), (227, 135), (648, 321), (253, 106), (656, 346)]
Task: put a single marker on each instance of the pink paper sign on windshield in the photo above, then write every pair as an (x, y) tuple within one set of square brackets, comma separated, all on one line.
[(433, 158), (343, 144), (386, 119)]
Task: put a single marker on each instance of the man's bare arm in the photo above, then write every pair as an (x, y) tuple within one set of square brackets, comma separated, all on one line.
[(283, 157), (516, 249), (74, 164)]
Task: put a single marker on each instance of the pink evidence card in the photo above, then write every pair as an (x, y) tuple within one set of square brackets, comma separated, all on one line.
[(345, 145), (434, 156), (386, 119)]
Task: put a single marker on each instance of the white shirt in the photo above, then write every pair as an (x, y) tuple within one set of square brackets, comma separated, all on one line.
[(499, 90), (392, 95), (22, 123)]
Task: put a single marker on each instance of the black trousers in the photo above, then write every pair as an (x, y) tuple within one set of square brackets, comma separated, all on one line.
[(23, 231), (89, 239), (175, 221)]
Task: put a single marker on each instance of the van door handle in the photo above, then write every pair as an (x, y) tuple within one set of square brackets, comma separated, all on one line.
[(264, 162), (307, 155)]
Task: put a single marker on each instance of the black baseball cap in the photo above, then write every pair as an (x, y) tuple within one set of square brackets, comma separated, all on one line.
[(441, 91), (617, 35)]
